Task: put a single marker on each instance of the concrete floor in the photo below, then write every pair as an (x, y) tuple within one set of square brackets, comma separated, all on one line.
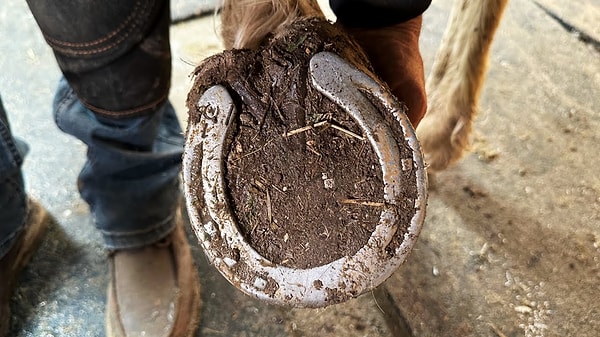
[(511, 245)]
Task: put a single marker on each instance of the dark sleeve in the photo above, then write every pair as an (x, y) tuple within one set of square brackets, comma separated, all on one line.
[(377, 13)]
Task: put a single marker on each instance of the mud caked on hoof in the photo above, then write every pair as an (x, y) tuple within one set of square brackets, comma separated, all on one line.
[(303, 178)]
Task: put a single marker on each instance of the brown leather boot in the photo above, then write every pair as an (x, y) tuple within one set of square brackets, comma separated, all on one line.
[(154, 291), (396, 59), (17, 258)]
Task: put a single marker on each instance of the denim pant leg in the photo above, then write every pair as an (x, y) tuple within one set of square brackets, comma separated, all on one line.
[(131, 177), (116, 61), (115, 54), (376, 13), (13, 201)]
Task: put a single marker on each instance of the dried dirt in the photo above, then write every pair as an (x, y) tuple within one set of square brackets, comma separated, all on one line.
[(305, 185)]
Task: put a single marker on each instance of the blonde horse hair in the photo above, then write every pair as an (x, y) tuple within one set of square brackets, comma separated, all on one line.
[(456, 79), (247, 22)]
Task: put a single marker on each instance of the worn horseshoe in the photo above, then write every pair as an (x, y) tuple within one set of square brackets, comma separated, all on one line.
[(342, 279)]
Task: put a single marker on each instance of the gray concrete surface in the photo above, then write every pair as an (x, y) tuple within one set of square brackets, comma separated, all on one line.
[(511, 245), (182, 10)]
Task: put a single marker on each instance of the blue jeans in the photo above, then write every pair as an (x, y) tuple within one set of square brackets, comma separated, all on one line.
[(116, 61), (13, 202), (130, 179)]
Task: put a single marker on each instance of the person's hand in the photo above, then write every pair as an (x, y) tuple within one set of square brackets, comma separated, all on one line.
[(396, 59)]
